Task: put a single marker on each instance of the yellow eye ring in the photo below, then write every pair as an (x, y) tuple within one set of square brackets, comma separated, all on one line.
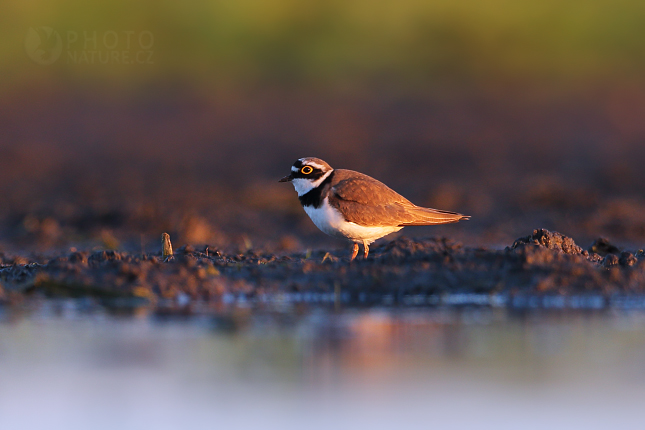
[(306, 170)]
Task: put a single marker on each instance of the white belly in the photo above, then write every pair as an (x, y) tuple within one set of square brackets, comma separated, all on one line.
[(330, 221)]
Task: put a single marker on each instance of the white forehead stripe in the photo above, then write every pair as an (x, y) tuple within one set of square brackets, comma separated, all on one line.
[(316, 165), (294, 169), (311, 163)]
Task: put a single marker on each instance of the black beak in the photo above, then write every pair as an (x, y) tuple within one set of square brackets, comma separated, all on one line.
[(287, 178)]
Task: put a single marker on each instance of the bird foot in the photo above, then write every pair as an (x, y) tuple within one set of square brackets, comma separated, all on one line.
[(354, 252)]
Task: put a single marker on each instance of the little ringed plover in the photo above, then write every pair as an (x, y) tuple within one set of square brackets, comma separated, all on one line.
[(357, 207)]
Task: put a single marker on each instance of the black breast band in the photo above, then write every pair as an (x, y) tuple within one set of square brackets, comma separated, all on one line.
[(316, 196)]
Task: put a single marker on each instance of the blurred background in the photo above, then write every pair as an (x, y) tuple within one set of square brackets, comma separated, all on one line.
[(121, 120)]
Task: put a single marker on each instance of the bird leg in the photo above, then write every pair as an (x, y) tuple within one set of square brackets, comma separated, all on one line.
[(366, 248), (354, 252)]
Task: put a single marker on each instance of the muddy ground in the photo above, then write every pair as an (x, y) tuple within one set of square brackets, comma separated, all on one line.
[(89, 184), (400, 272)]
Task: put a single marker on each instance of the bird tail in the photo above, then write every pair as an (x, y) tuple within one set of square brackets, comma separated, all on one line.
[(428, 216)]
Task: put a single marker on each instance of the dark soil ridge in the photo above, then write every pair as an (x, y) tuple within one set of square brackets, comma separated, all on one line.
[(543, 263)]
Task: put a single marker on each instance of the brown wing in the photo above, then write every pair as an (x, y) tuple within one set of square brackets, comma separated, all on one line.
[(368, 202)]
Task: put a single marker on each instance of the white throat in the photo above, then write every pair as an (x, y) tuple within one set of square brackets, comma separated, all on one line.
[(303, 186)]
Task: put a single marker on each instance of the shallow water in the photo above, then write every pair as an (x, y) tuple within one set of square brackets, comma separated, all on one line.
[(64, 366)]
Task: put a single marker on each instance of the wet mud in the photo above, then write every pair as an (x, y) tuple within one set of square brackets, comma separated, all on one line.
[(400, 272)]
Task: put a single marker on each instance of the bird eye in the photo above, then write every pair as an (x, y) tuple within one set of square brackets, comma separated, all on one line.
[(306, 170)]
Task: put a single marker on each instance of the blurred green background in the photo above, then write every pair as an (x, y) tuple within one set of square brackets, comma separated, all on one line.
[(119, 120), (409, 45)]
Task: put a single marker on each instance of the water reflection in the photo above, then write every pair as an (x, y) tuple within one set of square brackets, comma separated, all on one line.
[(70, 365)]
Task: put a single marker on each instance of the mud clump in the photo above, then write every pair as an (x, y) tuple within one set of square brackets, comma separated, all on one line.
[(627, 259), (610, 260), (603, 247), (550, 240), (395, 272)]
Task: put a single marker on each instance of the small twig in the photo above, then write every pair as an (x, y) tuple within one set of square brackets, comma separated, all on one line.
[(327, 255), (166, 247)]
